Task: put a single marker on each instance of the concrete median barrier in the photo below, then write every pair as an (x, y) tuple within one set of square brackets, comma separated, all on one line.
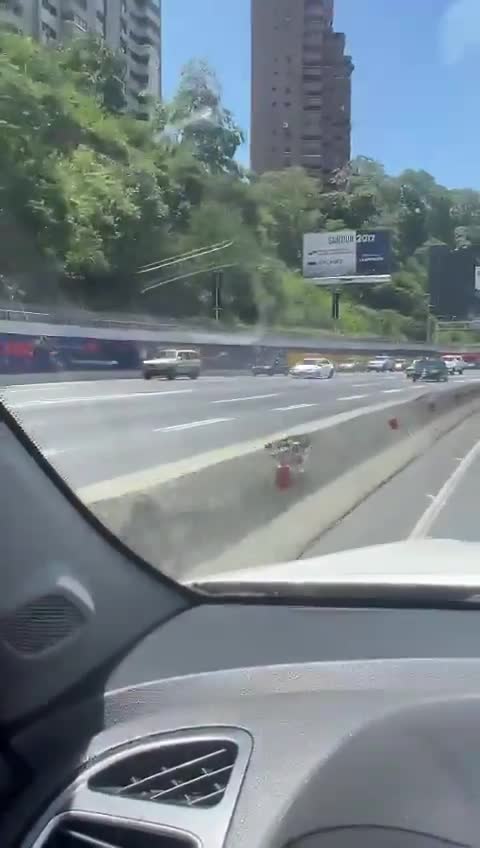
[(233, 508)]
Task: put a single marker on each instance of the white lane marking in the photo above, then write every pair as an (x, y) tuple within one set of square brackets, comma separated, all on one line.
[(363, 385), (393, 391), (431, 514), (191, 424), (67, 384), (294, 406), (239, 399), (353, 397), (35, 404)]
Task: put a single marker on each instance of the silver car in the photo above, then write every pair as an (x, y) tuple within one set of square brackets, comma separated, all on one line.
[(172, 363)]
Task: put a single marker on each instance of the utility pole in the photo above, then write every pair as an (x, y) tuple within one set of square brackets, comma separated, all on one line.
[(217, 300)]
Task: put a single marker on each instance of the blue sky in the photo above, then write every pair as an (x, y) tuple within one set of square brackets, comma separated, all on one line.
[(416, 86)]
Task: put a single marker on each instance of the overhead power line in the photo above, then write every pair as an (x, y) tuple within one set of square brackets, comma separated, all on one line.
[(185, 257), (160, 283)]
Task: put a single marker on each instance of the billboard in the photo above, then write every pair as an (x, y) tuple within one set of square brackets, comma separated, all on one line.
[(452, 282), (347, 253)]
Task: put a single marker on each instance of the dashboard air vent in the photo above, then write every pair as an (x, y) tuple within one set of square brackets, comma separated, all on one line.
[(80, 833), (191, 773)]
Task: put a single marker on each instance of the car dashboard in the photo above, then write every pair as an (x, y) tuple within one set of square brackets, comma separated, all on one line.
[(328, 728)]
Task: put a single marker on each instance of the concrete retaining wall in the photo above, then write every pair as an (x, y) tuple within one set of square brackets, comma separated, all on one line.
[(222, 510)]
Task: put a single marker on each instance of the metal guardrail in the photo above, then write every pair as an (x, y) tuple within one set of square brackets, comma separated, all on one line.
[(84, 318)]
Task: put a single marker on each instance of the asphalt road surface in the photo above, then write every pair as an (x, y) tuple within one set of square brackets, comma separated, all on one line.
[(436, 496), (99, 430)]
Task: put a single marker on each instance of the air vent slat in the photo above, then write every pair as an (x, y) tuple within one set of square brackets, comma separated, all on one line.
[(195, 781), (187, 773), (217, 794), (135, 785), (90, 841)]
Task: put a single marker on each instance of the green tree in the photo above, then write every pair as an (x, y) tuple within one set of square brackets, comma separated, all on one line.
[(289, 202), (201, 120), (98, 70)]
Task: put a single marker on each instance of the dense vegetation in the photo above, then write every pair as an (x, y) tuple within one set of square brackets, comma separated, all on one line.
[(89, 196)]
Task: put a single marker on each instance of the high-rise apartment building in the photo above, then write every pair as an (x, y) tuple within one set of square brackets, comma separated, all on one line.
[(132, 26), (301, 87)]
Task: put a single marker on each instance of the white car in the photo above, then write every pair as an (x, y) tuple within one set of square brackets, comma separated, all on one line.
[(455, 364), (172, 364), (313, 368)]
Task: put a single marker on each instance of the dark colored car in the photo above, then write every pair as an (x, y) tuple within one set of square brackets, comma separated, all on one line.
[(434, 370), (277, 366)]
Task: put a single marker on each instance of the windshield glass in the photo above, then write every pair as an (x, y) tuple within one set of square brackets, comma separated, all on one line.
[(201, 199), (430, 364)]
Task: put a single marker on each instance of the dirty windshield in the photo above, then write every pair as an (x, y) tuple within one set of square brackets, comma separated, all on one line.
[(240, 271)]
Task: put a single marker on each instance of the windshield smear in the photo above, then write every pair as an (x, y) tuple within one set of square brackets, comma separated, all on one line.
[(240, 273)]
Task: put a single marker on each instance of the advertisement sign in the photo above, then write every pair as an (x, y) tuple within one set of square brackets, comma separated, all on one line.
[(330, 254), (347, 253), (373, 252)]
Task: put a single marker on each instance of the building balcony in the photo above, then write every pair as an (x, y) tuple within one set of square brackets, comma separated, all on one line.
[(140, 58), (314, 102), (313, 60), (144, 23), (143, 39), (313, 73), (139, 81)]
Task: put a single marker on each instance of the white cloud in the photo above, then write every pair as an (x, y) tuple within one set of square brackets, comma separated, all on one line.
[(460, 30)]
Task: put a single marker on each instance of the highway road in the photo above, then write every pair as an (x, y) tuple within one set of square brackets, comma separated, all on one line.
[(436, 496), (100, 430), (117, 435)]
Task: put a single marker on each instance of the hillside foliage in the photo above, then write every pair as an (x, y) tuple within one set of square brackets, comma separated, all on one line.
[(89, 196)]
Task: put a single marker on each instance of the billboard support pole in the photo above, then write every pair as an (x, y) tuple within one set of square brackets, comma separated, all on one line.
[(335, 304)]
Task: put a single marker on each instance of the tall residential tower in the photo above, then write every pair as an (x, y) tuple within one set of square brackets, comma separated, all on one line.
[(301, 88), (132, 26)]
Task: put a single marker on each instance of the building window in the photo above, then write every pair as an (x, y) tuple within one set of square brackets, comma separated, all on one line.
[(48, 31), (49, 7)]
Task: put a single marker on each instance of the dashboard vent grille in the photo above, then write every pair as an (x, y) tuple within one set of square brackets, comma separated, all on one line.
[(89, 834), (190, 774)]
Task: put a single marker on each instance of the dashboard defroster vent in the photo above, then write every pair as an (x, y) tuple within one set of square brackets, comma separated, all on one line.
[(190, 773), (81, 833)]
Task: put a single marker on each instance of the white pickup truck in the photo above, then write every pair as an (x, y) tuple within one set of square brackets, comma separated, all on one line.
[(455, 364)]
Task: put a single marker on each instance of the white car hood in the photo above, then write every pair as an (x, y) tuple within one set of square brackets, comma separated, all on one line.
[(306, 367), (425, 562)]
